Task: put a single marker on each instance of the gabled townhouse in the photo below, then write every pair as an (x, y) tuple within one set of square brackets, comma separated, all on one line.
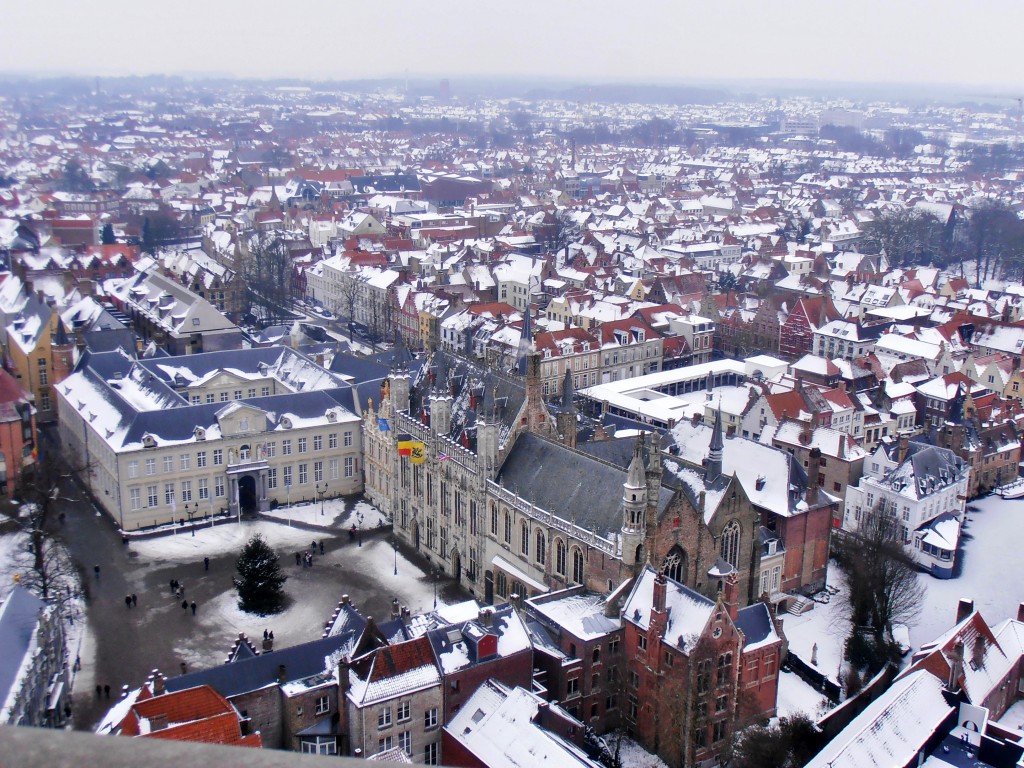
[(578, 653), (696, 669), (840, 457), (573, 351), (629, 348), (392, 697), (925, 488)]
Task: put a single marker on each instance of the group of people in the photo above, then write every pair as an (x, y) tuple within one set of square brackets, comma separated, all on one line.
[(178, 590), (305, 559), (130, 601)]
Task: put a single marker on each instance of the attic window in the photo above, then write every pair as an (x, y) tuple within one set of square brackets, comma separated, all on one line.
[(195, 321), (200, 433), (286, 423), (148, 441)]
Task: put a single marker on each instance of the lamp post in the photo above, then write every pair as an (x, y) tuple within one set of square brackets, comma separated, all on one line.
[(321, 494), (190, 512), (288, 488), (394, 542), (435, 588)]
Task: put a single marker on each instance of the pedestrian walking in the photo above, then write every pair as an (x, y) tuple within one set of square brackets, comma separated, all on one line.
[(264, 634), (181, 589), (298, 558), (313, 546), (173, 585), (135, 600), (206, 563), (106, 691), (184, 668), (127, 601), (352, 532), (321, 547), (193, 607), (96, 570), (184, 605), (99, 691)]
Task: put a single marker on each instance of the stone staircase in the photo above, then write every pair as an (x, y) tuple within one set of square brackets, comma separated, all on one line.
[(798, 604)]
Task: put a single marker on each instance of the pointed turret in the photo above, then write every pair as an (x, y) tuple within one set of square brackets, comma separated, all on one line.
[(634, 507), (566, 416), (441, 398), (713, 468), (399, 379), (525, 343)]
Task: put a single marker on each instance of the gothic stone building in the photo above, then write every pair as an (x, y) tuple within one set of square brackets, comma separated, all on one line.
[(503, 501)]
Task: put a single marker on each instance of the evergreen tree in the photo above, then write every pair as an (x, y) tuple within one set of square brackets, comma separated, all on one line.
[(259, 582), (107, 237)]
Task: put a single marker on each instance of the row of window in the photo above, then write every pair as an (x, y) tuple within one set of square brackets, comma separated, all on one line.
[(184, 460), (403, 713), (211, 397), (202, 484)]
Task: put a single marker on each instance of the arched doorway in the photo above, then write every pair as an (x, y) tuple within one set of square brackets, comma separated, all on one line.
[(456, 564), (416, 533), (247, 499)]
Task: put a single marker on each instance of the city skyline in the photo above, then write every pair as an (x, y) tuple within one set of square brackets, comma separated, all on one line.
[(653, 42)]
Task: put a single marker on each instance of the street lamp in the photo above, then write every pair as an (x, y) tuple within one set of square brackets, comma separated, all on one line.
[(190, 512), (435, 588), (321, 494), (288, 488), (394, 541)]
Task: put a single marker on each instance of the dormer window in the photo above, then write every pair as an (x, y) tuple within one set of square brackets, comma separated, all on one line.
[(200, 433)]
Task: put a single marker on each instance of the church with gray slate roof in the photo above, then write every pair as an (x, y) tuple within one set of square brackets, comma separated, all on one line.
[(503, 499)]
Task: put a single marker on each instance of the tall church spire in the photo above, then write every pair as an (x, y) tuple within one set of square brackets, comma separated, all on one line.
[(525, 343), (713, 468)]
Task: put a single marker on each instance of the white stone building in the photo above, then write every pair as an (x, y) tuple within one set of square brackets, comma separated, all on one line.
[(186, 438)]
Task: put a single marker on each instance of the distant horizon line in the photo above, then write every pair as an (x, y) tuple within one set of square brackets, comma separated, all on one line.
[(1003, 90)]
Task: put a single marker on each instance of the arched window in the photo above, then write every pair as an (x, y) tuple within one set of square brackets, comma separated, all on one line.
[(577, 565), (508, 527), (730, 548), (560, 557), (494, 519), (540, 552), (675, 564), (500, 583), (524, 538)]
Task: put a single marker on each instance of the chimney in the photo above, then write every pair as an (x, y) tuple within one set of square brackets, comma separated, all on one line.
[(904, 446), (157, 723), (695, 419), (486, 616), (813, 473), (543, 714), (659, 593), (956, 664), (158, 684), (965, 608), (730, 595), (516, 599), (396, 611)]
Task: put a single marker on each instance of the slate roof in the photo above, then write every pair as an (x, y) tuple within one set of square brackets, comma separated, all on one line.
[(245, 675), (572, 484), (19, 616), (756, 625)]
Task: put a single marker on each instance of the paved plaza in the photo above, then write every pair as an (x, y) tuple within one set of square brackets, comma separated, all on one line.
[(122, 645)]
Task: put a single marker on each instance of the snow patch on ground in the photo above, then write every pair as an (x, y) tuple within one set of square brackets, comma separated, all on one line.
[(183, 547), (333, 513), (635, 756), (797, 697), (825, 626)]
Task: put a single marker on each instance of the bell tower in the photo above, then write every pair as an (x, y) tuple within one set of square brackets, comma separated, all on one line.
[(634, 508)]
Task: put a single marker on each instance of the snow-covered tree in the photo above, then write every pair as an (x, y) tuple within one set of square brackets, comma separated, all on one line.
[(259, 582)]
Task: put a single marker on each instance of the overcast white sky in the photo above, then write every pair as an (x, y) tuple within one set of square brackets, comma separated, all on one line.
[(973, 42)]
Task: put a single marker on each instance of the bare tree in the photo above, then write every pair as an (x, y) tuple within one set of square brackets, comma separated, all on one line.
[(45, 487), (883, 579), (348, 297), (906, 235), (267, 268)]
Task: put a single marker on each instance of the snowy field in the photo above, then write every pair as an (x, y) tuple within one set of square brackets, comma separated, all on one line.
[(990, 567)]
